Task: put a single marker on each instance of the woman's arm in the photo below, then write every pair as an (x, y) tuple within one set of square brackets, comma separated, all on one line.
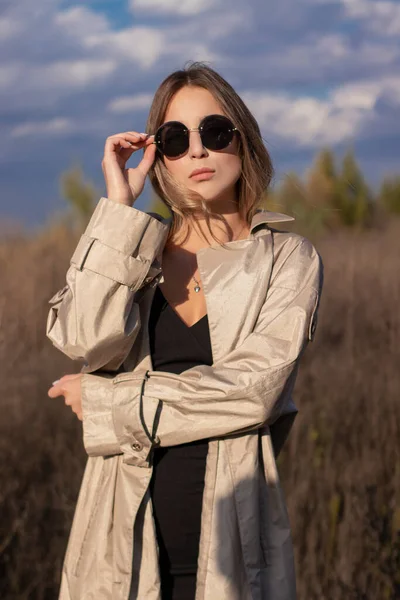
[(243, 390), (94, 317)]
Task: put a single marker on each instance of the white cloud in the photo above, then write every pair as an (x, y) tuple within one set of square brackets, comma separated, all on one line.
[(9, 28), (317, 51), (79, 21), (146, 46), (30, 87), (142, 45), (76, 73), (173, 7), (9, 75), (54, 126), (130, 103), (310, 122), (382, 16), (367, 93), (57, 77), (334, 51)]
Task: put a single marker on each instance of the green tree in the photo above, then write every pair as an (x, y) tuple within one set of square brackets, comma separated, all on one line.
[(291, 195), (389, 194), (81, 195), (354, 199), (292, 198), (325, 163), (322, 190)]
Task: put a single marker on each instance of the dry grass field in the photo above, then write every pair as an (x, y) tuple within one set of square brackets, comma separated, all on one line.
[(340, 467)]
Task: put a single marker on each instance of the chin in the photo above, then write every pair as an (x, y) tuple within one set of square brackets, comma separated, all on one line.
[(211, 193)]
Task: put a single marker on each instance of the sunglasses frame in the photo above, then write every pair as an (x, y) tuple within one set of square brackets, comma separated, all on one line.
[(187, 130)]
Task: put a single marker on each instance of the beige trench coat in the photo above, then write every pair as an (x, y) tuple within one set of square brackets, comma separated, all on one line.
[(262, 295)]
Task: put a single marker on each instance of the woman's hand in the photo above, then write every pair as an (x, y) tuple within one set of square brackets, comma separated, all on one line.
[(69, 386), (125, 185)]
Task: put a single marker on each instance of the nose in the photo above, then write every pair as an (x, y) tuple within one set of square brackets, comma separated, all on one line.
[(196, 148)]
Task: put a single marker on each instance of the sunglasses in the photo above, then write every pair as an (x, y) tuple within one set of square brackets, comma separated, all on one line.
[(172, 138)]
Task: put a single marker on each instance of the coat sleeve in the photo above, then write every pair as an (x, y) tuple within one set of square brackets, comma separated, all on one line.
[(245, 389), (94, 317)]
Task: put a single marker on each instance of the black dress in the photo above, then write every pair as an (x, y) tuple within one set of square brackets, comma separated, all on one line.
[(178, 471)]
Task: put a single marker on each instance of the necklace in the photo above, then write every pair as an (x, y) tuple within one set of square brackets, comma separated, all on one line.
[(197, 287)]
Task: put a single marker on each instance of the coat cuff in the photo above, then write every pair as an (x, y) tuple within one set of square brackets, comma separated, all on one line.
[(135, 416), (106, 401), (99, 436), (121, 243)]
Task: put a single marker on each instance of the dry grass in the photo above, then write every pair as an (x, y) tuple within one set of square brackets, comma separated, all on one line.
[(340, 468)]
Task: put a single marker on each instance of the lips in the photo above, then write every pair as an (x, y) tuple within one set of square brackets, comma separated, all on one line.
[(202, 170)]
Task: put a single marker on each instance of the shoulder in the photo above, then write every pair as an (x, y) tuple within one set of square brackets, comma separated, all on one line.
[(296, 259), (286, 242)]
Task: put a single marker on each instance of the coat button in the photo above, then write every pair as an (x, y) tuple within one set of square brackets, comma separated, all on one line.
[(136, 446)]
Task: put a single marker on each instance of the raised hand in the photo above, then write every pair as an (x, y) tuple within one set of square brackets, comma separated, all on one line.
[(125, 185)]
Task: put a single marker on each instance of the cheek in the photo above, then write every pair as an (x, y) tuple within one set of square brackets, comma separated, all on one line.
[(178, 170), (229, 168), (229, 163), (175, 167)]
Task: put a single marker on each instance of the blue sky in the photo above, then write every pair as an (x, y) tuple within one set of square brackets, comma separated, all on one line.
[(313, 72)]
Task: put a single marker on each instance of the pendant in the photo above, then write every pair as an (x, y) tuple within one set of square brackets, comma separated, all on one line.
[(197, 288)]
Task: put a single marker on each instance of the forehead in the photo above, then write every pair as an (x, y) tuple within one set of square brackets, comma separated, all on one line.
[(190, 104)]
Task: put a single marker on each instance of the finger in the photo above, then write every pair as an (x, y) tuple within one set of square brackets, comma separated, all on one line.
[(131, 141), (125, 133), (147, 160), (149, 140), (126, 140), (124, 148), (58, 386), (55, 391), (127, 147), (60, 382)]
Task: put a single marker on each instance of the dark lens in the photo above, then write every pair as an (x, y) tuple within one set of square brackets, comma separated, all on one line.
[(172, 139), (217, 132)]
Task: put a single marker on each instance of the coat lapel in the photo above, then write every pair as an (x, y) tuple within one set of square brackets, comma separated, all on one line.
[(235, 282)]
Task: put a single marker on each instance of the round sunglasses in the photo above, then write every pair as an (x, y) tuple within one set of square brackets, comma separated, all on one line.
[(172, 138)]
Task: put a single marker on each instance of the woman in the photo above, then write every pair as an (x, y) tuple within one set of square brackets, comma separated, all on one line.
[(191, 343)]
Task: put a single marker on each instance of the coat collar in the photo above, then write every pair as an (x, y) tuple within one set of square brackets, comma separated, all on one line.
[(266, 216)]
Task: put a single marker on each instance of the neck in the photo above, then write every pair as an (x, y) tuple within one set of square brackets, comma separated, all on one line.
[(236, 229)]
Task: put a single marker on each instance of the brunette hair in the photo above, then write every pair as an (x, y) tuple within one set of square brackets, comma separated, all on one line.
[(257, 169)]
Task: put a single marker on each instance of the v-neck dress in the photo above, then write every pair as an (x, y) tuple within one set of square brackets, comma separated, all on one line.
[(178, 471)]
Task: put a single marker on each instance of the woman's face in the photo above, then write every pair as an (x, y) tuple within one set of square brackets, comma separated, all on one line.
[(189, 105)]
